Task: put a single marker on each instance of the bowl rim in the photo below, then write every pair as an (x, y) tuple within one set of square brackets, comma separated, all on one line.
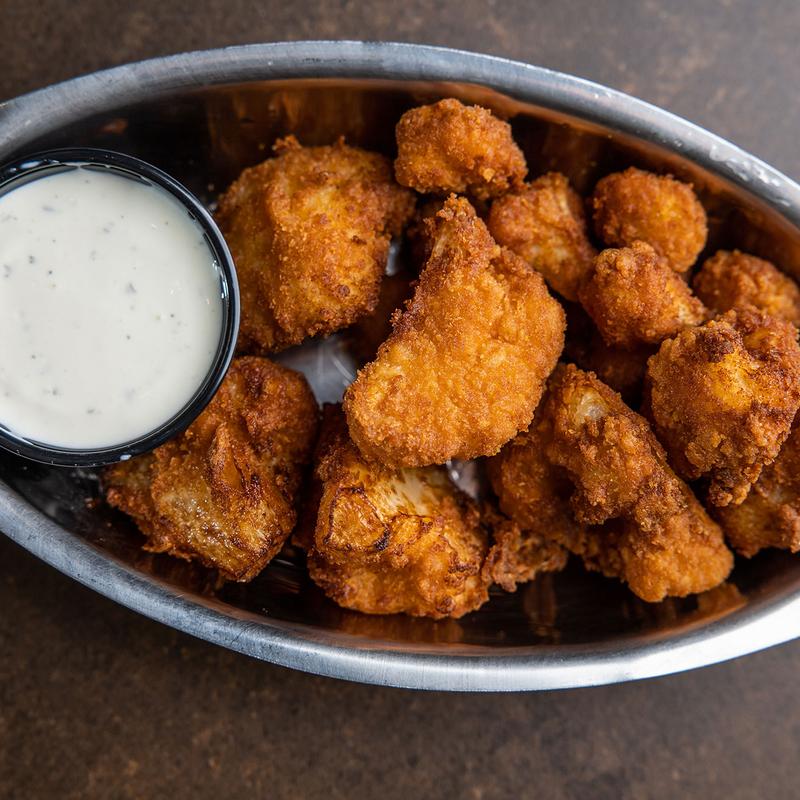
[(39, 164), (293, 645)]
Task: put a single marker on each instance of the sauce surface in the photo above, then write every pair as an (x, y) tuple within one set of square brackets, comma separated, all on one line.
[(110, 308)]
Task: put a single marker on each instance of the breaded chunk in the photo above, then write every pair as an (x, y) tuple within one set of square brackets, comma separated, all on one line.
[(467, 360), (634, 298), (390, 540), (309, 231), (449, 147), (656, 209), (723, 396), (587, 444), (733, 280), (543, 222), (655, 534), (770, 514), (222, 492)]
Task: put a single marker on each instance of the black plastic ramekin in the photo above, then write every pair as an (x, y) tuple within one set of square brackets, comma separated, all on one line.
[(39, 165)]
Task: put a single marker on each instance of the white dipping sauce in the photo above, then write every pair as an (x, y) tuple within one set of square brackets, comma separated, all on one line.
[(110, 308)]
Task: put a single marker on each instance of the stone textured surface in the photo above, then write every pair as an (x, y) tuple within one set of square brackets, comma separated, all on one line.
[(98, 702)]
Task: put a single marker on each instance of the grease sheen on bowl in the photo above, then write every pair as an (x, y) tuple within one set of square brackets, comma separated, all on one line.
[(110, 308)]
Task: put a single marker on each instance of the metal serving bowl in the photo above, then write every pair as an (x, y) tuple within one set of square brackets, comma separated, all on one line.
[(202, 117)]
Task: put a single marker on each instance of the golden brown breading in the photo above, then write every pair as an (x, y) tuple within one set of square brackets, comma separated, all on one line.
[(465, 366), (449, 147), (393, 541), (531, 490), (733, 280), (770, 514), (656, 209), (689, 556), (723, 396), (309, 231), (660, 539), (222, 492), (635, 298), (518, 556), (655, 536), (544, 223)]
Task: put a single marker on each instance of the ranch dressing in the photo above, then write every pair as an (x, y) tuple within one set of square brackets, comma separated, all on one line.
[(110, 308)]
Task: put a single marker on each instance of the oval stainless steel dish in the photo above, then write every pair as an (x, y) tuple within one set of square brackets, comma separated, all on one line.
[(202, 117)]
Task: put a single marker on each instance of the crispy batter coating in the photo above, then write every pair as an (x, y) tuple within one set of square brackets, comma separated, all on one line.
[(544, 223), (635, 298), (465, 366), (309, 231), (770, 514), (449, 147), (531, 490), (655, 535), (518, 556), (222, 493), (656, 209), (733, 279), (393, 541), (723, 396)]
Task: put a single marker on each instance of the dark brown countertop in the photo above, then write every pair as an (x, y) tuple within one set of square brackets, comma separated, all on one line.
[(96, 701)]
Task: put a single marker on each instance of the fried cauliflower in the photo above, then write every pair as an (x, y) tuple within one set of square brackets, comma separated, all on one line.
[(770, 514), (722, 398), (657, 209), (222, 492), (655, 535), (634, 298), (544, 223), (390, 540), (449, 147), (466, 363), (309, 231), (733, 280)]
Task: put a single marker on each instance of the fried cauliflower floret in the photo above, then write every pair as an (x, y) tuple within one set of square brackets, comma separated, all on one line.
[(393, 541), (722, 398), (309, 231), (770, 514), (733, 280), (466, 363), (449, 147), (634, 297), (543, 223), (660, 539), (222, 492), (656, 209)]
